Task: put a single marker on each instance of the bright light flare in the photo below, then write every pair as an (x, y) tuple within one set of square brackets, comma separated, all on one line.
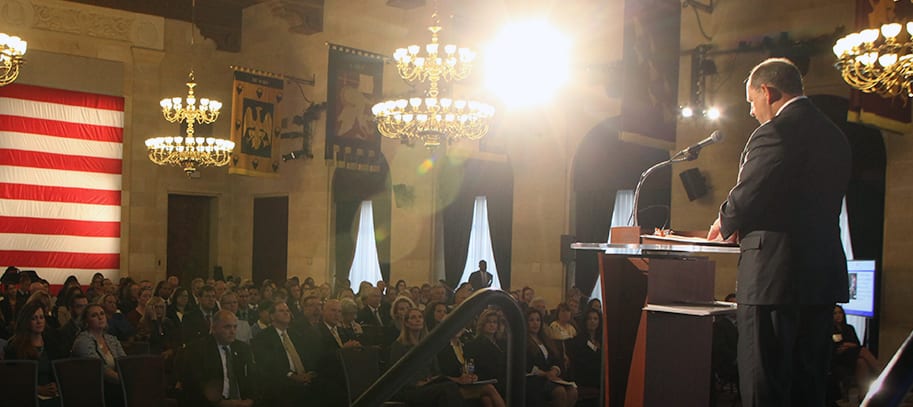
[(714, 113), (527, 63)]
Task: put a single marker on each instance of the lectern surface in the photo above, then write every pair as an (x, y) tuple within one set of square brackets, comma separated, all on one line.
[(653, 249)]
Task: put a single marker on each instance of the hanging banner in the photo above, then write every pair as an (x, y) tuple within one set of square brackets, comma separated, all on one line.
[(354, 85), (255, 123), (866, 108)]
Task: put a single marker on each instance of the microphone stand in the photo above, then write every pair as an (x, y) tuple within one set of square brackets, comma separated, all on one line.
[(681, 156)]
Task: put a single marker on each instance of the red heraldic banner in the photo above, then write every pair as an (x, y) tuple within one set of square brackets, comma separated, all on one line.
[(60, 182)]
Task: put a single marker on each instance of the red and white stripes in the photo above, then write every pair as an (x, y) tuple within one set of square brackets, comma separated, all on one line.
[(60, 181)]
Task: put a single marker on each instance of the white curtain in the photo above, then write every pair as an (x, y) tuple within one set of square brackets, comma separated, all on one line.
[(365, 265), (621, 216), (480, 244)]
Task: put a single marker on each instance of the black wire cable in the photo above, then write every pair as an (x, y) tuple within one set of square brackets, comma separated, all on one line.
[(700, 25)]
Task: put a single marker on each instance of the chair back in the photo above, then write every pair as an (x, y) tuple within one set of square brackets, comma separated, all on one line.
[(19, 383), (136, 348), (142, 380), (361, 368), (80, 382)]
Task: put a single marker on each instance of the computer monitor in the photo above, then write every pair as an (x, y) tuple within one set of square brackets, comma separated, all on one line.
[(862, 288)]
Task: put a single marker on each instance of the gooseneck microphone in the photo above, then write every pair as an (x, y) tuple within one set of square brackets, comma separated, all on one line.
[(692, 151), (688, 154)]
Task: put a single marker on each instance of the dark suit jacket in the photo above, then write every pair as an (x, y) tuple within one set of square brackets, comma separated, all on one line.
[(366, 317), (330, 376), (475, 280), (194, 325), (203, 369), (490, 360), (792, 178), (273, 366)]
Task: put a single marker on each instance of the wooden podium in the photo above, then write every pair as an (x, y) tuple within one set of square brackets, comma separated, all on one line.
[(658, 305)]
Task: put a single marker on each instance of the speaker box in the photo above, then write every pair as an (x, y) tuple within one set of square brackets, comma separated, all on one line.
[(694, 183), (567, 254)]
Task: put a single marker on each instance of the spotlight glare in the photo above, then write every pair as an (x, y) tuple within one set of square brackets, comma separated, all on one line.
[(527, 63), (687, 112), (713, 113)]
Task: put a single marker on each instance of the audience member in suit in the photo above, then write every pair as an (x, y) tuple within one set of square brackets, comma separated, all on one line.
[(218, 368), (330, 377), (426, 386), (481, 278), (197, 321), (32, 341), (454, 365), (351, 328), (94, 342), (117, 325), (545, 365), (246, 310), (229, 302), (196, 290), (373, 313), (68, 332), (585, 352), (487, 349), (286, 362), (784, 211), (310, 312), (263, 321)]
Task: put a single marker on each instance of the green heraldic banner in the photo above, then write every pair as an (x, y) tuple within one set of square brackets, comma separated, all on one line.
[(354, 85), (255, 124)]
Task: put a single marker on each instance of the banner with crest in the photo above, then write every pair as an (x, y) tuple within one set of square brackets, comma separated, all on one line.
[(354, 85), (255, 123)]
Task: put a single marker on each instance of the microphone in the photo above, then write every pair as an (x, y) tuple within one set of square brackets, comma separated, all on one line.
[(691, 152)]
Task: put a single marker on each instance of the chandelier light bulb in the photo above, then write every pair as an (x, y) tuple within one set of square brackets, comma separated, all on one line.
[(12, 51), (891, 30)]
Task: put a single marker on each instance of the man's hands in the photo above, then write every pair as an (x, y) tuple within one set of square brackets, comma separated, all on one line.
[(715, 234), (303, 378)]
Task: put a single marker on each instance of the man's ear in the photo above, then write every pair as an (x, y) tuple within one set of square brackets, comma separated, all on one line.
[(772, 94)]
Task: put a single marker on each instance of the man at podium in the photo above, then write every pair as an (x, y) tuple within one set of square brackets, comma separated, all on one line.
[(784, 213)]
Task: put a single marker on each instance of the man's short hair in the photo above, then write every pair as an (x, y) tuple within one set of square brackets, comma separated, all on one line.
[(221, 315), (75, 297), (779, 73), (207, 288)]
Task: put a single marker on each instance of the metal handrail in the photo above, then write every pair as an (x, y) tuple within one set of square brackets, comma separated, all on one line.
[(895, 381), (400, 374)]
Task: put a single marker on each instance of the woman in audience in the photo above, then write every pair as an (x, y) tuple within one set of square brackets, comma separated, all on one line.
[(545, 364), (61, 311), (594, 304), (96, 287), (585, 351), (457, 368), (45, 299), (426, 386), (137, 312), (163, 290), (400, 286), (397, 313), (156, 329), (487, 349), (177, 308), (563, 327), (32, 341), (849, 356), (128, 295), (351, 327), (435, 312), (95, 343)]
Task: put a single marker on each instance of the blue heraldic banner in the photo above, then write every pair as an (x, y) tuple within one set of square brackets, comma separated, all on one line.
[(354, 85)]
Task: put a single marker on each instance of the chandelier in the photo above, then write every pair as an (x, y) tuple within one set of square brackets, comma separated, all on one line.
[(190, 152), (12, 49), (878, 61), (430, 119)]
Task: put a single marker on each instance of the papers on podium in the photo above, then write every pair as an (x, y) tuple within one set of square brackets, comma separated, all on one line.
[(679, 239), (701, 310)]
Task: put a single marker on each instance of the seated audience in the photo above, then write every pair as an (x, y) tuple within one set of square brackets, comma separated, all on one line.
[(425, 387), (33, 341), (117, 324), (374, 313), (563, 327), (134, 315), (349, 325), (286, 363), (42, 296), (218, 368), (545, 365), (456, 367), (487, 349), (263, 320), (229, 302), (157, 329), (585, 352), (96, 287), (435, 312), (95, 342), (331, 378), (850, 358), (197, 321), (68, 332), (178, 305)]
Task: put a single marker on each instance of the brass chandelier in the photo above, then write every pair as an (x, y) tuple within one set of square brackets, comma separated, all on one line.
[(190, 152), (12, 49), (430, 119), (878, 61)]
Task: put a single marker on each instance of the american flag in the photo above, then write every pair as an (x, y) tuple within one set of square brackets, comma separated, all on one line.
[(60, 182)]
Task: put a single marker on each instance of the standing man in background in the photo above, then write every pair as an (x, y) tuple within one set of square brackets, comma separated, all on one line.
[(480, 278), (784, 212)]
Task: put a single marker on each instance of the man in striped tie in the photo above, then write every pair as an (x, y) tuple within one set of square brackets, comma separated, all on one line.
[(218, 368)]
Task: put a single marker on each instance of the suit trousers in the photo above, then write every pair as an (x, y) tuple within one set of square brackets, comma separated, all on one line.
[(784, 354)]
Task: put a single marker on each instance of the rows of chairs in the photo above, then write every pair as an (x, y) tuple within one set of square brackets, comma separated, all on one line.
[(80, 381)]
